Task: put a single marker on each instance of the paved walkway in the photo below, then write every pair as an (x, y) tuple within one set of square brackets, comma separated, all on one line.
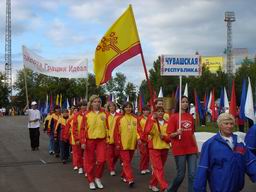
[(22, 170)]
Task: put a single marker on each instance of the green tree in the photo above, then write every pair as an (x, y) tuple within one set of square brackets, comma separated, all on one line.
[(120, 81), (130, 90), (4, 92)]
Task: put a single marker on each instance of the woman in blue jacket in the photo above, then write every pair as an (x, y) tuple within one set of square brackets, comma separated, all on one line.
[(224, 160), (250, 139)]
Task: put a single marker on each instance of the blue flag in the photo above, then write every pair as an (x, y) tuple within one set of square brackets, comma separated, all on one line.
[(242, 101), (200, 108)]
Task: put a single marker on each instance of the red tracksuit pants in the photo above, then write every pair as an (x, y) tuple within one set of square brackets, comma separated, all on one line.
[(158, 158), (95, 150), (144, 156), (77, 154), (112, 156), (126, 158)]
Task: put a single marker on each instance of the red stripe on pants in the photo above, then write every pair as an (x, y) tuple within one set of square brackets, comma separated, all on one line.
[(144, 156), (126, 157), (158, 158), (112, 156), (95, 150), (77, 156)]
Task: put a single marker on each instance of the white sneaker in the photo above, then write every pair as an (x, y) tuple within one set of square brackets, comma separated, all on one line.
[(124, 180), (75, 168), (92, 186), (98, 183), (143, 172), (153, 188), (112, 173), (85, 174), (147, 171), (80, 171)]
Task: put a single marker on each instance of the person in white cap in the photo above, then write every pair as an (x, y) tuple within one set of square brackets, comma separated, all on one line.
[(33, 125)]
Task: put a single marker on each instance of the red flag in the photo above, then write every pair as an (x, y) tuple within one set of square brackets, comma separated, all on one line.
[(232, 109), (51, 103), (140, 104), (212, 107)]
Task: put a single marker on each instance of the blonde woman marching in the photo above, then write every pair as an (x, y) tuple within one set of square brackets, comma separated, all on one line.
[(94, 135)]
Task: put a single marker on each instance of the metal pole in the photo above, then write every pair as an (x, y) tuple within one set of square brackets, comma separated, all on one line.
[(26, 86), (180, 104)]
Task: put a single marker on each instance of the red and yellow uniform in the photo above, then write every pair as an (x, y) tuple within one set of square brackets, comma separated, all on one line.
[(126, 136), (72, 130), (64, 145), (142, 146), (158, 143), (94, 134), (54, 144), (112, 152), (47, 121), (166, 117)]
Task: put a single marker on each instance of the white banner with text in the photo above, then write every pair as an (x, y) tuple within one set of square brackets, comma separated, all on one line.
[(63, 68)]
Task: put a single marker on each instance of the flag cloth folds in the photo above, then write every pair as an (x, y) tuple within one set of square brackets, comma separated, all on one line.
[(198, 106), (46, 109), (160, 94), (232, 109), (60, 102), (226, 103), (249, 107), (57, 100), (186, 90), (242, 101), (222, 101), (120, 43)]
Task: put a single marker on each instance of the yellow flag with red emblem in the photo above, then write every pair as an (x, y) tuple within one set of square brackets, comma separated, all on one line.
[(120, 43)]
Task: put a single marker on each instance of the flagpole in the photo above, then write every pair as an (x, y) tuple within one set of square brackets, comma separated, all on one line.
[(86, 92), (150, 88), (180, 105), (26, 86), (148, 81)]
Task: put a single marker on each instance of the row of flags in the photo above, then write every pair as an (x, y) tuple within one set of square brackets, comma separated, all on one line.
[(245, 110), (49, 103)]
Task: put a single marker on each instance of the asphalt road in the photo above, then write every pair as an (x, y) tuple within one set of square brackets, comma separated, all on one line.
[(22, 170)]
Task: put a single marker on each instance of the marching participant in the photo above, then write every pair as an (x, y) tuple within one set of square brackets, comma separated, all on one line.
[(142, 146), (184, 146), (47, 121), (158, 142), (112, 152), (125, 136), (69, 135), (78, 123), (94, 136), (53, 146), (159, 102), (60, 132)]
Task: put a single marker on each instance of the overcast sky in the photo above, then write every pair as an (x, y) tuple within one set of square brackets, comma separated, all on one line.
[(73, 28)]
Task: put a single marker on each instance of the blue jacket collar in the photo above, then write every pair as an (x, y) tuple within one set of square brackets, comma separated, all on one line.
[(219, 138)]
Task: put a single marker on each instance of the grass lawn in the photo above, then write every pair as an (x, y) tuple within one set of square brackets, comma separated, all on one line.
[(213, 128)]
